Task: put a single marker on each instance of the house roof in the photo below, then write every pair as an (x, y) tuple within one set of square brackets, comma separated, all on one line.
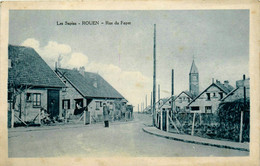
[(90, 84), (218, 85), (186, 92), (226, 89), (28, 68), (193, 68), (230, 93)]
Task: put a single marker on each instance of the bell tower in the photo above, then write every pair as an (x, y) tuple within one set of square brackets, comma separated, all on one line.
[(194, 80)]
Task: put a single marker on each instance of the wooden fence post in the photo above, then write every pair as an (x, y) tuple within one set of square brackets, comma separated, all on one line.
[(161, 120), (39, 116), (193, 123), (241, 126), (12, 118), (200, 119), (65, 116), (84, 117), (90, 117), (167, 120)]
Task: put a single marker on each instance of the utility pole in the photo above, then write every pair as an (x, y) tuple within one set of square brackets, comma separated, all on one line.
[(151, 101), (146, 102), (143, 106), (159, 92), (172, 90), (154, 74), (138, 108), (242, 111)]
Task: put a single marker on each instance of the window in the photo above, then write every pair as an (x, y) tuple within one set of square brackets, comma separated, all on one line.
[(208, 109), (220, 95), (98, 105), (196, 108), (36, 99), (214, 94), (78, 103), (28, 97), (66, 104), (208, 96)]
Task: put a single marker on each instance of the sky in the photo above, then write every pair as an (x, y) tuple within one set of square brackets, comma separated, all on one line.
[(218, 41)]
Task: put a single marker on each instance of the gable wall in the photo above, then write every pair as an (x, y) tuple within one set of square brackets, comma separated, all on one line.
[(202, 101), (181, 102), (29, 112)]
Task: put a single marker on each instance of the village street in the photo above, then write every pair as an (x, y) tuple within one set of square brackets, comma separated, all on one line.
[(120, 139)]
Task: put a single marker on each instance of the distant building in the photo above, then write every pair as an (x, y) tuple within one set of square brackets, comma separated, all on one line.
[(182, 100), (238, 92), (209, 100), (32, 84), (164, 104), (86, 89), (194, 80)]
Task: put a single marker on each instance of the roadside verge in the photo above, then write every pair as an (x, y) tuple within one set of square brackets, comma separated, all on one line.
[(197, 140)]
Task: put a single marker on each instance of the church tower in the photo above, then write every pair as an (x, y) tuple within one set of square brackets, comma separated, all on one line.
[(194, 80)]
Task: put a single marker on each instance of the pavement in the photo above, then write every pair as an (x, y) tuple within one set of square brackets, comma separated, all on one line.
[(197, 140), (55, 126)]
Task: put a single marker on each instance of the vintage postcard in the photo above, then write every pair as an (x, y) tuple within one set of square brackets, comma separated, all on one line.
[(129, 83)]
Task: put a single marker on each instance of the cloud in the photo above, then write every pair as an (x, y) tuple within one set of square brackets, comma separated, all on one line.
[(50, 52), (53, 50), (31, 42), (77, 59), (133, 85)]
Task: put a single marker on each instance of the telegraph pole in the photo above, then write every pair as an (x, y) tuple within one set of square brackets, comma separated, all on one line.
[(159, 92), (154, 74), (172, 89), (143, 106), (151, 102), (242, 111), (146, 102)]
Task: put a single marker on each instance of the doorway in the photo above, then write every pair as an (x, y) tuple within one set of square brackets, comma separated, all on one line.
[(53, 102)]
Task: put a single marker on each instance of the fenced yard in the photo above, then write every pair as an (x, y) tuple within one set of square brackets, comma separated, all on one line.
[(224, 124)]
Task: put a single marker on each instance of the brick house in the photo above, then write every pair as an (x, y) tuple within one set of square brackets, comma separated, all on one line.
[(86, 89), (32, 84), (209, 100)]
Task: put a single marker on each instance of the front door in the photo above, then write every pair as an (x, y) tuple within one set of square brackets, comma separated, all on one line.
[(53, 98)]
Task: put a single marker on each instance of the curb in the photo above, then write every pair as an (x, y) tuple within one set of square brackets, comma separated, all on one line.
[(196, 142)]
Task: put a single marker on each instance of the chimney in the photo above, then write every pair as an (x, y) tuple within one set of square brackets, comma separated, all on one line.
[(82, 70), (59, 60), (212, 80), (226, 83)]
